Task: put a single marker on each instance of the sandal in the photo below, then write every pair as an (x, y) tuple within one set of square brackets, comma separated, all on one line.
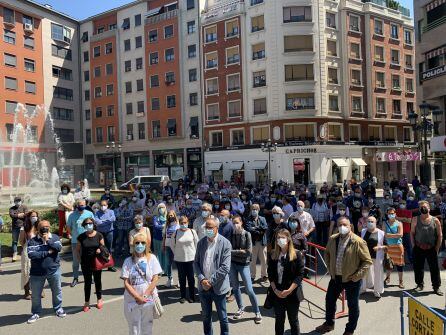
[(86, 308), (387, 280), (401, 285)]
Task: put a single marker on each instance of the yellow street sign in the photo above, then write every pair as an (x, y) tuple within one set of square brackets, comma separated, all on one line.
[(422, 321)]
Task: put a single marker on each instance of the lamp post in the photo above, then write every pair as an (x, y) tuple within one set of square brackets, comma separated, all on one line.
[(114, 149), (423, 125), (269, 147)]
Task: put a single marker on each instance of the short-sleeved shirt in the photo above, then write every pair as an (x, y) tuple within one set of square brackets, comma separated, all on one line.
[(89, 245), (140, 275)]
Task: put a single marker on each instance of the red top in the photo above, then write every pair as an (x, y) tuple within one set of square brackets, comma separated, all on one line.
[(404, 213)]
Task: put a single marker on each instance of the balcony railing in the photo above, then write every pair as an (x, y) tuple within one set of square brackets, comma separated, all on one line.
[(161, 17), (434, 24)]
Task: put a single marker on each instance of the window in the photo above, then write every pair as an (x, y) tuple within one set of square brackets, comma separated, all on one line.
[(138, 63), (394, 31), (62, 73), (355, 51), (138, 42), (396, 107), (99, 135), (11, 83), (10, 60), (128, 66), (154, 81), (97, 71), (380, 79), (259, 79), (101, 30), (129, 132), (232, 55), (260, 134), (378, 27), (330, 20), (238, 137), (332, 48), (299, 101), (408, 61), (168, 31), (87, 95), (153, 36), (109, 89), (297, 14), (212, 86), (233, 82), (109, 69), (260, 106), (332, 76), (194, 127), (86, 56), (192, 51), (98, 112), (111, 133), (258, 51), (96, 51), (232, 28), (155, 102), (409, 107), (217, 139), (10, 107), (110, 110), (234, 108), (9, 36), (190, 4), (172, 127), (298, 43), (126, 23), (299, 72), (60, 33), (86, 75), (28, 42), (128, 87), (356, 77), (8, 15), (353, 131), (30, 108), (171, 101), (334, 132), (108, 48), (354, 23), (9, 132), (407, 134), (137, 20), (154, 58), (87, 114), (112, 26), (129, 108), (61, 52), (356, 104), (192, 75), (379, 53), (257, 23), (193, 99), (98, 92), (139, 85), (141, 131), (210, 34), (407, 37), (380, 105), (299, 132), (396, 84), (211, 60), (156, 129), (169, 55), (191, 27), (389, 133), (333, 104), (170, 78), (65, 135), (127, 45), (213, 112), (140, 107)]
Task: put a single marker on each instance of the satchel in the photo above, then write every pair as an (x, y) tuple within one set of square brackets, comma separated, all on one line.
[(100, 263), (158, 309), (270, 297), (388, 262)]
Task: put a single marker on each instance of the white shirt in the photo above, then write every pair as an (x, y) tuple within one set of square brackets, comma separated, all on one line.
[(306, 221), (209, 257)]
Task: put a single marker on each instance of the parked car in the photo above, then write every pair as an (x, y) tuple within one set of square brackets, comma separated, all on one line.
[(147, 182)]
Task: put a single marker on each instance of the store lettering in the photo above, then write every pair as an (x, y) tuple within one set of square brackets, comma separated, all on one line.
[(301, 151), (432, 73)]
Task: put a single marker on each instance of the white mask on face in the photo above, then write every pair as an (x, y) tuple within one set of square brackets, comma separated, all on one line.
[(344, 230), (104, 208), (281, 242)]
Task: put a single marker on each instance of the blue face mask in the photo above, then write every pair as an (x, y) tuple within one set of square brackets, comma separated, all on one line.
[(89, 227), (391, 216), (254, 212), (210, 233), (140, 248), (292, 225), (81, 208)]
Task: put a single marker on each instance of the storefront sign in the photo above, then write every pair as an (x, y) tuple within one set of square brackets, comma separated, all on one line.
[(193, 150), (301, 151), (422, 321), (397, 156), (432, 73)]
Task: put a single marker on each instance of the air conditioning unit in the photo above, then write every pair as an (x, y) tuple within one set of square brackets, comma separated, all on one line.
[(28, 27)]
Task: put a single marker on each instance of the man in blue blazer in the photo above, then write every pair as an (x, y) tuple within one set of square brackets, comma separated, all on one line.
[(212, 264)]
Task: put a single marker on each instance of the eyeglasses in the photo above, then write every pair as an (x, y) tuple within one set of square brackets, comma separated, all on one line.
[(143, 243)]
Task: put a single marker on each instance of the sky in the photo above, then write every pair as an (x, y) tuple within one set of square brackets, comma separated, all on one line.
[(81, 9)]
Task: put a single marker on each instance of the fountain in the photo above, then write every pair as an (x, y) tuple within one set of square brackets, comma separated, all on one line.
[(27, 169)]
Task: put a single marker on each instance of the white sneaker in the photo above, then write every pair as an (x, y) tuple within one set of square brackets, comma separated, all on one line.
[(33, 318), (239, 314), (169, 283), (377, 295)]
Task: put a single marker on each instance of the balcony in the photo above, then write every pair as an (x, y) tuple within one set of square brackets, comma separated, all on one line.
[(211, 37), (235, 59), (105, 35), (403, 10), (161, 17), (434, 24)]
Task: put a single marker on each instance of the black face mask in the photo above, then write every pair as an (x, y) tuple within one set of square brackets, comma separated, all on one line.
[(44, 230), (424, 210), (171, 219)]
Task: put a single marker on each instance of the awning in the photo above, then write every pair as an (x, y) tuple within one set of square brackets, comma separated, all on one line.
[(340, 162), (438, 144), (359, 161), (259, 165), (236, 165), (434, 4), (153, 11), (435, 52), (215, 166)]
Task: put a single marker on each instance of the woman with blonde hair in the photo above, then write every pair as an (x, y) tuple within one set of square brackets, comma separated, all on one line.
[(140, 274), (170, 228), (285, 273)]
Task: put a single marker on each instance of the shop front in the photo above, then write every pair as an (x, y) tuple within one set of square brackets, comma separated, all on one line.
[(169, 163), (194, 163), (137, 164), (395, 164), (105, 169)]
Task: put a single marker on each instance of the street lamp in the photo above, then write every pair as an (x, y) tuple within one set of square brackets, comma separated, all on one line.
[(269, 147), (423, 125), (114, 149)]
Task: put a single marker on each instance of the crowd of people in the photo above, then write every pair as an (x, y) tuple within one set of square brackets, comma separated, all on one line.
[(215, 235)]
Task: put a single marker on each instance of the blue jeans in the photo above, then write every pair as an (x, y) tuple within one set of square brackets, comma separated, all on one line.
[(108, 240), (75, 262), (15, 238), (122, 242), (206, 298), (245, 273), (37, 283), (170, 256)]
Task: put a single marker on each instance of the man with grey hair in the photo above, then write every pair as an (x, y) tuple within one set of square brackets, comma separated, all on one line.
[(200, 221), (74, 227), (212, 264)]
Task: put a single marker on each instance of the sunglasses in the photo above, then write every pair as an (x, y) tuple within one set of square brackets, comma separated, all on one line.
[(143, 243)]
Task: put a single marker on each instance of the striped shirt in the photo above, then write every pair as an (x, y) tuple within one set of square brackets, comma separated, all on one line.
[(340, 255)]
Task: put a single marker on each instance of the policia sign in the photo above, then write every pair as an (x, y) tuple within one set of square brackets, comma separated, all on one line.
[(422, 321)]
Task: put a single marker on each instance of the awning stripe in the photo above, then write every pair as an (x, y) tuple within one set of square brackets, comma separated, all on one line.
[(434, 4)]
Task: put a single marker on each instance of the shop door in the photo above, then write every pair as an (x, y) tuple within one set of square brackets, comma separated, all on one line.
[(301, 167)]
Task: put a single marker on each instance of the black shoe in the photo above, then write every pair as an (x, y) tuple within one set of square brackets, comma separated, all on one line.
[(191, 301), (182, 301), (419, 288), (74, 282), (112, 269), (438, 292)]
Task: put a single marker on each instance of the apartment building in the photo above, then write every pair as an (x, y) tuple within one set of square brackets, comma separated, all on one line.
[(39, 68), (305, 76), (141, 89), (430, 19)]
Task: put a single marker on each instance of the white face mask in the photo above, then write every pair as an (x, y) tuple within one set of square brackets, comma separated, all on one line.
[(344, 230), (371, 225), (104, 208), (342, 212), (281, 242)]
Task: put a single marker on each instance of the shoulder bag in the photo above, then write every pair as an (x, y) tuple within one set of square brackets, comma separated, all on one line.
[(158, 309), (102, 261)]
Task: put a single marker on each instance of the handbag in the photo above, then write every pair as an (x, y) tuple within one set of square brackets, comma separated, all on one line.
[(101, 263), (270, 297), (158, 309), (388, 262)]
